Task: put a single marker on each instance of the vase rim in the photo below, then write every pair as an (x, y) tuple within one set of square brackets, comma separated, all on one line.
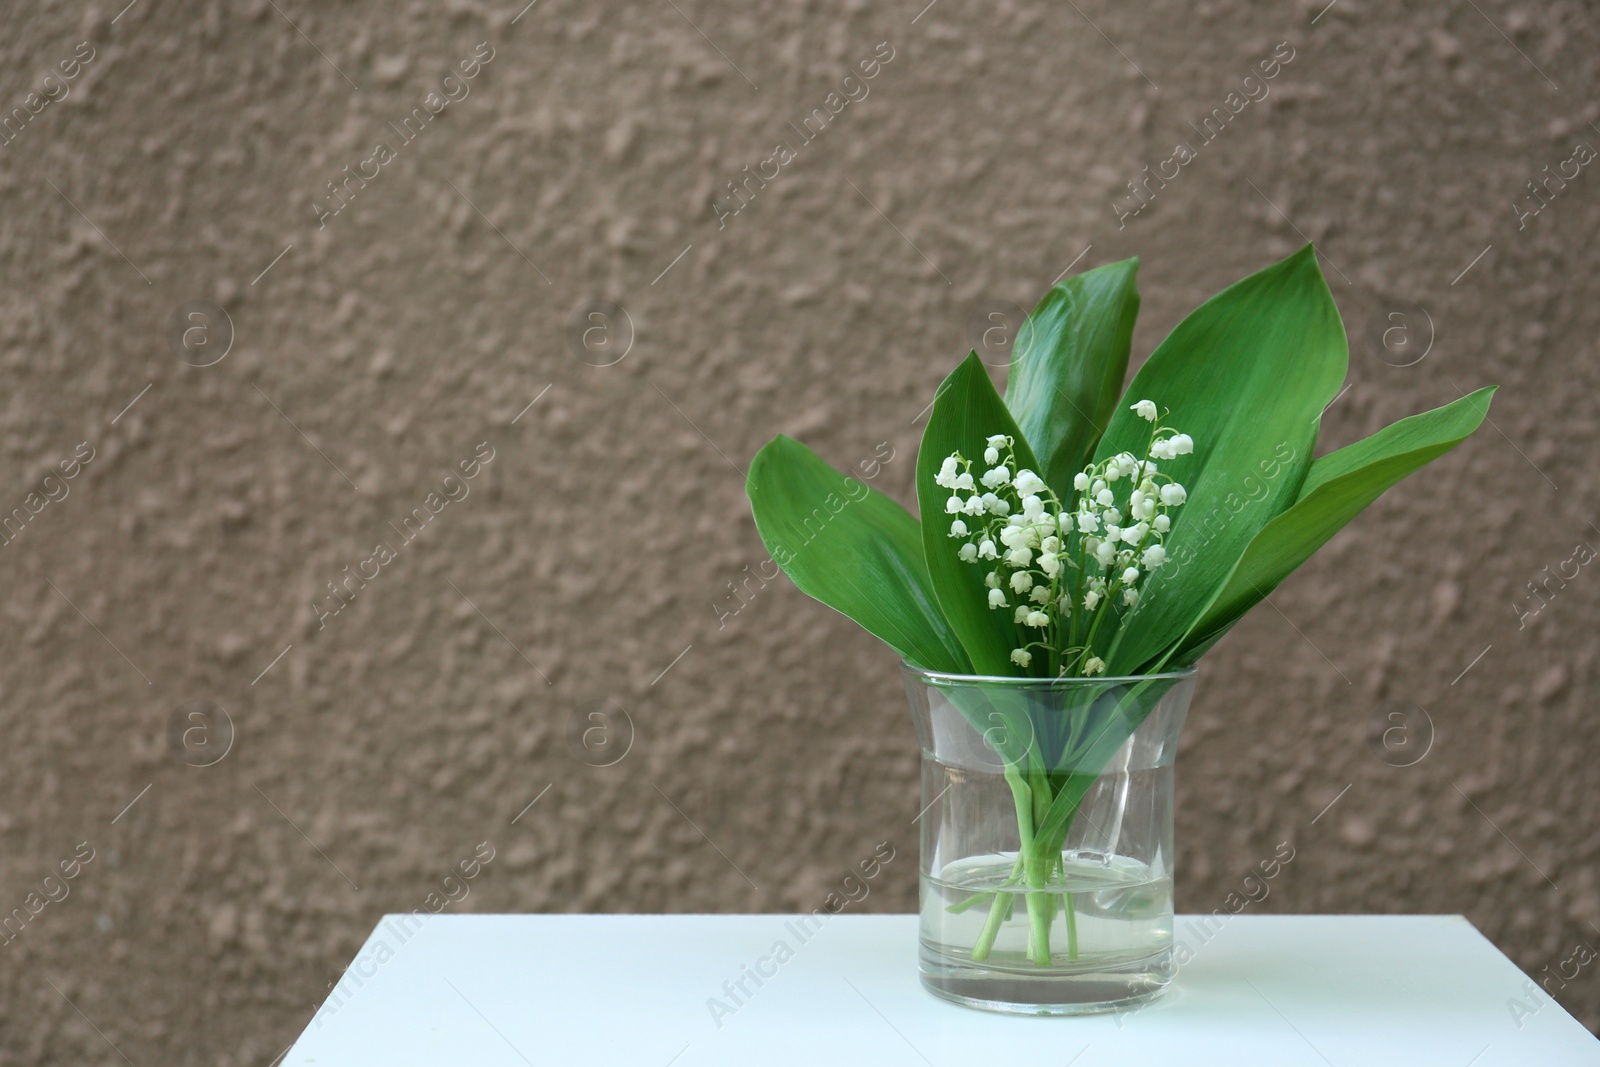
[(926, 675)]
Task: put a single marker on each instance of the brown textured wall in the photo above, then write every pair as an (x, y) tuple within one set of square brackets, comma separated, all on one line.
[(594, 551)]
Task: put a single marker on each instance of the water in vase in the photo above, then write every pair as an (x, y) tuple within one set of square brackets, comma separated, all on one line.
[(1107, 919)]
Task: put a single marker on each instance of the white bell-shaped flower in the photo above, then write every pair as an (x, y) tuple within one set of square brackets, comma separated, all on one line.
[(1028, 483), (996, 477)]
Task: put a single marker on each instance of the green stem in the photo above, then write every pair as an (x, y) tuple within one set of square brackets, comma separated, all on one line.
[(1039, 789), (999, 911), (1039, 912), (1051, 851), (1100, 614), (979, 898), (1072, 922), (1082, 587)]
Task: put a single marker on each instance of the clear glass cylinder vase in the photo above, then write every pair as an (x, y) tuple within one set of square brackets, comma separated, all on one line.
[(1046, 838)]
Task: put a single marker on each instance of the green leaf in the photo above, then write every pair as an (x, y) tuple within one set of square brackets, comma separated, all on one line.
[(1338, 487), (1067, 367), (966, 412), (853, 548), (1441, 429), (1247, 375)]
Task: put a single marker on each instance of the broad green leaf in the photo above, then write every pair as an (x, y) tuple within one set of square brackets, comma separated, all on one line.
[(853, 548), (1068, 364), (966, 412), (1338, 487), (1247, 375)]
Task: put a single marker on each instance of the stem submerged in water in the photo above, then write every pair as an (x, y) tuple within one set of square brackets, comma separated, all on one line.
[(979, 898), (1037, 860), (1035, 871), (999, 911), (1072, 922)]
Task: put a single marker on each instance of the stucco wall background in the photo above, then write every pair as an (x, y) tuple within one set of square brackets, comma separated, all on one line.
[(587, 568)]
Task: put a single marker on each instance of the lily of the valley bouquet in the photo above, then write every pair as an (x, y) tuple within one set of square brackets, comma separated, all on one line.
[(1076, 536)]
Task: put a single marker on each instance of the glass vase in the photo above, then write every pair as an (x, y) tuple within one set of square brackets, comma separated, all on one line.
[(1046, 838)]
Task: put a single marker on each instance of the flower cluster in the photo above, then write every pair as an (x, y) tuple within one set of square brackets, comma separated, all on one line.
[(1063, 569)]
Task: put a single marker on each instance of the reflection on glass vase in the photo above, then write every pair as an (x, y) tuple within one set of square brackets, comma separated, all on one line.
[(1046, 848)]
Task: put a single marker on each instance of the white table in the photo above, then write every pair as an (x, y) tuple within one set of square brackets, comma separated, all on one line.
[(633, 991)]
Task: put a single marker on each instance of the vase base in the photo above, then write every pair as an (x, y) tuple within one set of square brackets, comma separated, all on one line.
[(1049, 994)]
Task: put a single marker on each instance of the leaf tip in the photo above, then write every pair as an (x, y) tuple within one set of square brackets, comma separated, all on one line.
[(766, 454)]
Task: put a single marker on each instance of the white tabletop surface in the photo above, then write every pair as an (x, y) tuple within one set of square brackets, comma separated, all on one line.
[(633, 991)]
